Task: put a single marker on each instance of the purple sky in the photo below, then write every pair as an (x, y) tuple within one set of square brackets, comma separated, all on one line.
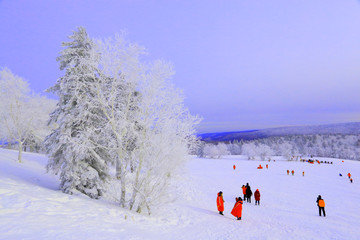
[(242, 64)]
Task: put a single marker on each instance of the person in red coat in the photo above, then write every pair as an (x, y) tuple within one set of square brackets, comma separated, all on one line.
[(220, 203), (257, 196), (237, 210)]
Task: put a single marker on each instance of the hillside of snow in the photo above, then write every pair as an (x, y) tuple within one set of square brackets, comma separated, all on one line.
[(32, 207)]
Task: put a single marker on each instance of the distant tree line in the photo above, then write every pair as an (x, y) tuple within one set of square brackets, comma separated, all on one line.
[(320, 145)]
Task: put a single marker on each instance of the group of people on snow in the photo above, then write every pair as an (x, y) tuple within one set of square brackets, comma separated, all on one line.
[(349, 175), (237, 209), (261, 167), (293, 172), (314, 160), (247, 192)]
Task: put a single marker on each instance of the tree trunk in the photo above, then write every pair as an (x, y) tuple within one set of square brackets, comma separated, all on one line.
[(120, 175), (136, 187), (20, 151), (123, 192), (132, 200), (139, 209)]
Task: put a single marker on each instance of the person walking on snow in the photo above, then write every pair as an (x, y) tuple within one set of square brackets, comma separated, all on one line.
[(349, 175), (287, 171), (292, 172), (321, 204), (244, 191), (237, 210), (248, 193), (220, 203), (257, 196)]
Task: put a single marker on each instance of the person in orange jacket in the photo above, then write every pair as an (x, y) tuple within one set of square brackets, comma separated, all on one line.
[(237, 210), (321, 204), (287, 171), (220, 203), (349, 175), (234, 166), (244, 191), (257, 196), (292, 172)]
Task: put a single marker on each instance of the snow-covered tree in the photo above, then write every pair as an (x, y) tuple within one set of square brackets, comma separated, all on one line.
[(41, 108), (210, 151), (23, 114), (235, 148), (249, 149), (264, 151), (151, 128), (167, 132), (72, 146), (118, 98), (121, 122), (215, 150), (286, 150), (293, 146)]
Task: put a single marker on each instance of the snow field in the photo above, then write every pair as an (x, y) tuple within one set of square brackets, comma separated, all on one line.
[(287, 206), (32, 207)]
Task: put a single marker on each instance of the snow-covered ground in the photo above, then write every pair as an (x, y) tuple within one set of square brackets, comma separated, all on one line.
[(32, 207)]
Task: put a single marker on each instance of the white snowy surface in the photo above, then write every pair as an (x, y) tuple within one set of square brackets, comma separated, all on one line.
[(32, 207)]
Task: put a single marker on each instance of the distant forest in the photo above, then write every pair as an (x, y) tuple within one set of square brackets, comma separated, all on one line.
[(343, 146)]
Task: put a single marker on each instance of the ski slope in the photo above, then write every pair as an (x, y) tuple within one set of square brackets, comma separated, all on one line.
[(32, 207)]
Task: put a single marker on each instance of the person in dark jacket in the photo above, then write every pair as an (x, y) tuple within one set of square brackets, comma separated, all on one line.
[(257, 197), (321, 204), (248, 193)]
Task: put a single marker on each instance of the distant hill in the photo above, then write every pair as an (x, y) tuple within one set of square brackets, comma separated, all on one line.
[(340, 128)]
